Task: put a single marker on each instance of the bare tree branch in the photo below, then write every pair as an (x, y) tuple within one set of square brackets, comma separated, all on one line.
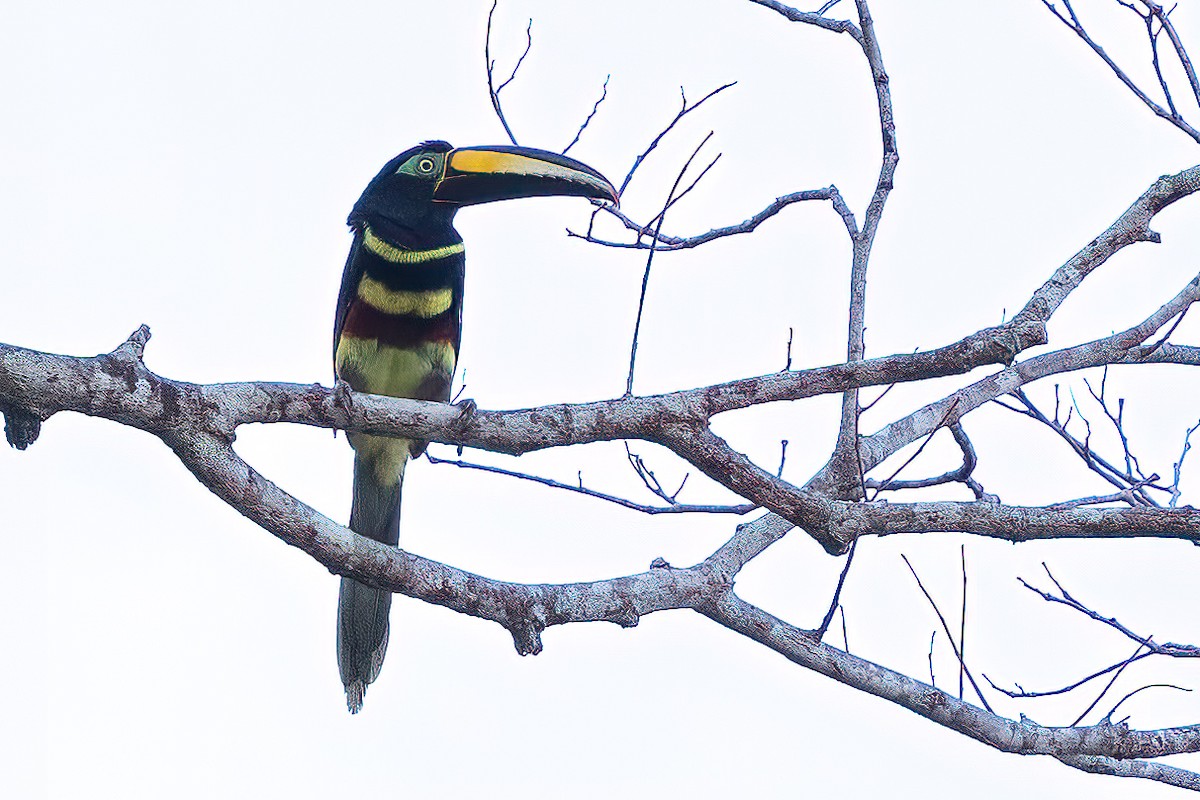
[(1010, 736), (490, 64), (684, 110), (672, 506), (946, 629), (962, 623), (1021, 693), (1178, 466), (1128, 695), (637, 325), (960, 475), (200, 422), (835, 603), (844, 472), (661, 241), (816, 19), (1071, 20), (118, 386), (1132, 488), (1107, 686), (1132, 768), (588, 121), (1064, 598)]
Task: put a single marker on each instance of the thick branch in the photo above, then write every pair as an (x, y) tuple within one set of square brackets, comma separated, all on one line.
[(123, 390), (1131, 227), (1126, 347), (845, 472), (525, 610), (1010, 736), (119, 387)]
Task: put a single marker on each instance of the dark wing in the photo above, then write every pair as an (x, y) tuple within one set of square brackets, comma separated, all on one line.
[(350, 278)]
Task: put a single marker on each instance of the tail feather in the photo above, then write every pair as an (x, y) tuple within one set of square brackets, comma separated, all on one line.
[(362, 635)]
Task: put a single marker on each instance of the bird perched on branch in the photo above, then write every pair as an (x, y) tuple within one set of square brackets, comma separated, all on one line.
[(398, 325)]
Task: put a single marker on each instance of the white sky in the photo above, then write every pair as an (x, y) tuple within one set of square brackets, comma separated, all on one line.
[(191, 167)]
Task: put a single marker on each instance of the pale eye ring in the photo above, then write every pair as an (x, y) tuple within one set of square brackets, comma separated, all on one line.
[(425, 165)]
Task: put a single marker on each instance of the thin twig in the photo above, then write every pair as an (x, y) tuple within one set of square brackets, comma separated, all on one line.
[(1124, 496), (672, 508), (1074, 24), (1022, 693), (493, 90), (662, 241), (684, 110), (946, 629), (962, 627), (1162, 82), (960, 475), (586, 122), (882, 395), (888, 482), (650, 480), (1064, 598), (637, 326), (1178, 466), (682, 194), (1162, 340), (837, 594), (932, 677), (1133, 468), (1181, 52), (1113, 711), (1094, 461), (1107, 686)]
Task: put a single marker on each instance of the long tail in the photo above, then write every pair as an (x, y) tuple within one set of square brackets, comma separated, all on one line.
[(362, 634)]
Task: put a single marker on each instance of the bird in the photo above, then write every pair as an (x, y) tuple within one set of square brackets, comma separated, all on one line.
[(398, 326)]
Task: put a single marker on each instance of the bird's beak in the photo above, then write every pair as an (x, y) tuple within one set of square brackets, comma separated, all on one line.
[(483, 174)]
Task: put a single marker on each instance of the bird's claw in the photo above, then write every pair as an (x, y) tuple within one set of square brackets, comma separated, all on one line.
[(466, 413), (342, 399), (341, 395)]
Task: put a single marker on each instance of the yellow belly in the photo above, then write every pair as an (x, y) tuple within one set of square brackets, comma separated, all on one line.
[(367, 366), (370, 367)]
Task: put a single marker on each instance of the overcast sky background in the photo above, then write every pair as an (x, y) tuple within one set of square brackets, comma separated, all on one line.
[(191, 167)]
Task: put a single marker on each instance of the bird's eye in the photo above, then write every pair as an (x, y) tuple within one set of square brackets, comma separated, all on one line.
[(425, 166)]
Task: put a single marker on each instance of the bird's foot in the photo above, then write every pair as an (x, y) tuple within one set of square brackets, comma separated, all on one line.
[(466, 413), (342, 396), (342, 399)]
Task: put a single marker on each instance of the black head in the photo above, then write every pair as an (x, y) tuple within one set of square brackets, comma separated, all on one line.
[(420, 189), (401, 195)]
